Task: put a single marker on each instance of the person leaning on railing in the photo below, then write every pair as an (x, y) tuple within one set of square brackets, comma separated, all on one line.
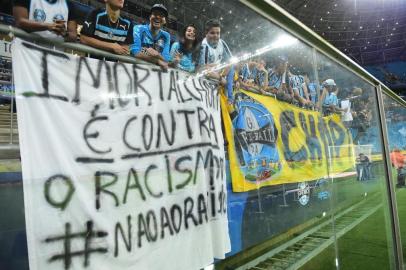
[(214, 51), (299, 89), (278, 80), (183, 50), (151, 42), (253, 76), (105, 29), (328, 100), (53, 19)]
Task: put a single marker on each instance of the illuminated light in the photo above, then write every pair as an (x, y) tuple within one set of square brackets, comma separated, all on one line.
[(305, 6), (337, 262), (221, 18), (378, 26), (357, 33), (391, 34), (365, 48), (328, 27), (388, 39), (284, 41), (234, 60), (368, 42), (365, 194), (360, 27), (396, 23), (321, 19), (328, 12), (394, 28), (335, 5), (324, 214), (236, 26), (382, 19), (352, 39), (230, 11), (350, 21), (212, 2)]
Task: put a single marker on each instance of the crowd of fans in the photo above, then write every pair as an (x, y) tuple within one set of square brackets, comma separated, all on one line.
[(106, 29)]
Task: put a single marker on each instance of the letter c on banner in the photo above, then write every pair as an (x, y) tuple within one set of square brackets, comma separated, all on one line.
[(63, 202)]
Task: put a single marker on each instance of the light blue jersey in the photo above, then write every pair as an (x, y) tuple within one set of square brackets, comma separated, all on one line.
[(143, 39), (186, 62), (331, 99), (296, 83), (214, 54), (247, 73)]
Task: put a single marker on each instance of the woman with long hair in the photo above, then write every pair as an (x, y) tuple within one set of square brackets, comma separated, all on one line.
[(182, 51)]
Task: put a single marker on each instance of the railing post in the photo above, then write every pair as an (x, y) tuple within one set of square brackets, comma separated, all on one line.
[(393, 212), (12, 110)]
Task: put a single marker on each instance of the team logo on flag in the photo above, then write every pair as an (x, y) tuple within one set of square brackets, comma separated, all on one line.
[(255, 138), (303, 193)]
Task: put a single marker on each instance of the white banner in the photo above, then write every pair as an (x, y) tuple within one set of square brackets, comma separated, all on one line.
[(123, 165)]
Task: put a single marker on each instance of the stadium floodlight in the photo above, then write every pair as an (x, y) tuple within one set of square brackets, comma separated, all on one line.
[(283, 41)]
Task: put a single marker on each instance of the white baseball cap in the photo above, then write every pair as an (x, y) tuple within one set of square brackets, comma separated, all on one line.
[(329, 82)]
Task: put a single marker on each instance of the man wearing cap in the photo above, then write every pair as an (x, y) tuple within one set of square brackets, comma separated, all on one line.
[(151, 43), (329, 98), (105, 29)]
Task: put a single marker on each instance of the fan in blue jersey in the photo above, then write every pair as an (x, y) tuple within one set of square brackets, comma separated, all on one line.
[(312, 89), (299, 88), (182, 51), (151, 43), (278, 80), (105, 29), (213, 52), (329, 97), (50, 19), (254, 76)]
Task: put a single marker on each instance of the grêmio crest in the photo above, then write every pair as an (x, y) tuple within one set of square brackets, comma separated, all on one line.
[(255, 138)]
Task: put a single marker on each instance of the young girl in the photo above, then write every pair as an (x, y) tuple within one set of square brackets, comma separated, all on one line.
[(182, 51)]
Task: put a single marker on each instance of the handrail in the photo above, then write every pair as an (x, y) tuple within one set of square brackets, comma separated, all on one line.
[(16, 32)]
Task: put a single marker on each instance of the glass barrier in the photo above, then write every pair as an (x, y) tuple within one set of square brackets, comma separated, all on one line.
[(395, 121), (304, 183)]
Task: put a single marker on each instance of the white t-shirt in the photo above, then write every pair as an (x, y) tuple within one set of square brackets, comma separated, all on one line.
[(48, 12)]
